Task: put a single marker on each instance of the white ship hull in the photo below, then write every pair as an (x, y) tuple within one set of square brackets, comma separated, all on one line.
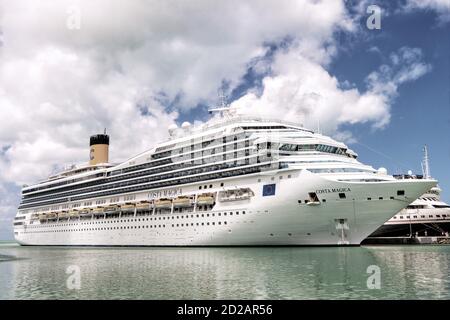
[(277, 219)]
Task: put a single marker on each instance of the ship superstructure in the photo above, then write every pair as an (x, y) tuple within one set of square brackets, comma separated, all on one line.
[(233, 181)]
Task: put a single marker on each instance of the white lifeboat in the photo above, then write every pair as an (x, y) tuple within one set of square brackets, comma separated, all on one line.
[(182, 202), (205, 199), (163, 203)]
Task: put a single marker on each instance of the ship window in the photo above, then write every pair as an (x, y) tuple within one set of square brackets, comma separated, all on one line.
[(400, 192), (392, 198), (380, 198), (401, 217), (342, 196), (369, 199), (199, 187), (414, 216)]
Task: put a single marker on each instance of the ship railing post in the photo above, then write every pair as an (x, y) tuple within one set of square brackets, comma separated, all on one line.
[(135, 211), (195, 202)]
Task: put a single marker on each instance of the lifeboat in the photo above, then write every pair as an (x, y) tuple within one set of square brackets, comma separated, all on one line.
[(112, 209), (236, 194), (63, 215), (42, 216), (144, 205), (205, 199), (163, 203), (127, 208), (35, 216), (73, 214), (85, 213), (51, 216), (98, 211), (182, 202)]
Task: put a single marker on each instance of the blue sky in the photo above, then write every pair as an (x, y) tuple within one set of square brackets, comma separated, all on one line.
[(420, 114), (69, 70)]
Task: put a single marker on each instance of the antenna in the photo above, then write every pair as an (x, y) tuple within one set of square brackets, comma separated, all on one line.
[(426, 163), (105, 131), (223, 99), (224, 108)]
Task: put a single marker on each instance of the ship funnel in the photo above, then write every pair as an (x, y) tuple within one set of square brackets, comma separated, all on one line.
[(99, 149)]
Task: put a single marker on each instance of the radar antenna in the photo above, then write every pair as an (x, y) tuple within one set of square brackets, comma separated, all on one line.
[(224, 109), (426, 163)]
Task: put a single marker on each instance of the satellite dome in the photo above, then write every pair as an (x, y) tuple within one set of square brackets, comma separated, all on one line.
[(185, 125), (172, 129), (410, 172), (382, 171)]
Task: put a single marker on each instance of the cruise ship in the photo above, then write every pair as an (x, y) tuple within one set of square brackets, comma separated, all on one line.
[(428, 216), (232, 181)]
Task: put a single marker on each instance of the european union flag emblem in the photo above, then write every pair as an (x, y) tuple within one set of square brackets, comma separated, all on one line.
[(269, 190)]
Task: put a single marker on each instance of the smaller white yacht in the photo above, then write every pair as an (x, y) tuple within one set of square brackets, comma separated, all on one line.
[(428, 216)]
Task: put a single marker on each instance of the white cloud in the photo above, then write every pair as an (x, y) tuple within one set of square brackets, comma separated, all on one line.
[(58, 85), (441, 7), (406, 65), (303, 90)]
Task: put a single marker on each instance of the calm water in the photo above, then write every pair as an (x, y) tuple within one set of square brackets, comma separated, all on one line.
[(407, 272)]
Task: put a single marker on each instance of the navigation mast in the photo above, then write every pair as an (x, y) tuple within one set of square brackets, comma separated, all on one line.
[(426, 163), (224, 109)]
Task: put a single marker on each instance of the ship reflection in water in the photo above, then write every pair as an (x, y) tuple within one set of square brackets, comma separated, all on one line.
[(407, 272)]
